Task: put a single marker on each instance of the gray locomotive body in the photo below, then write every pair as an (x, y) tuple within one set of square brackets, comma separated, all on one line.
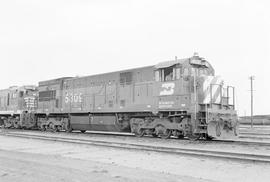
[(181, 98)]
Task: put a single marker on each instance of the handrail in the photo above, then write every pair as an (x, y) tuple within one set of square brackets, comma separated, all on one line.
[(221, 96)]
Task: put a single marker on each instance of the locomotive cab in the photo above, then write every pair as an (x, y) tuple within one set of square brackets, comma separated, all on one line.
[(188, 92), (19, 102), (174, 82)]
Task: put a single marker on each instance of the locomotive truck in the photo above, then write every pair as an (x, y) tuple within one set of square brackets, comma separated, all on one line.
[(180, 98)]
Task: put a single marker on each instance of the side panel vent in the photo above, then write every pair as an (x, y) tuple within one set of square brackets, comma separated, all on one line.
[(47, 95), (126, 78)]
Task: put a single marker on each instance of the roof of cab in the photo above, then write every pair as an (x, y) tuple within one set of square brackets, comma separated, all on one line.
[(166, 64)]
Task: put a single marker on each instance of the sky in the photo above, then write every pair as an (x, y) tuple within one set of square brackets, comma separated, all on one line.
[(41, 40)]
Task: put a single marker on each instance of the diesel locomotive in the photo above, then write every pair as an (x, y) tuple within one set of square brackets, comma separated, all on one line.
[(179, 98)]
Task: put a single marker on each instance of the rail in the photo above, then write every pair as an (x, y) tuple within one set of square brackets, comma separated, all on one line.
[(248, 157)]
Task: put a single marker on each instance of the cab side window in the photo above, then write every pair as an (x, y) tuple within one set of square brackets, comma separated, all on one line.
[(168, 74), (185, 72), (177, 73), (21, 94), (157, 76)]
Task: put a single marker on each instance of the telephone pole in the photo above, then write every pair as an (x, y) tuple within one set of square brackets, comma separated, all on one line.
[(251, 99)]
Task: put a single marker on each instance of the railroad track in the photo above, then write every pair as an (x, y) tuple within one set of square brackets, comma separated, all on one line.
[(122, 134), (262, 133), (255, 135), (249, 157), (252, 137)]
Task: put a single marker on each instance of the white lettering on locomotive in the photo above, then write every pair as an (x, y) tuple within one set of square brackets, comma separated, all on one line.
[(168, 89), (165, 104), (73, 97)]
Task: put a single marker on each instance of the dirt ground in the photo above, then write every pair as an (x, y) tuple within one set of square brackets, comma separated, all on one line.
[(20, 166), (36, 160)]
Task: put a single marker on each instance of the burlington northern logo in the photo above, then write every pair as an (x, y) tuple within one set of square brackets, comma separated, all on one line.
[(167, 89)]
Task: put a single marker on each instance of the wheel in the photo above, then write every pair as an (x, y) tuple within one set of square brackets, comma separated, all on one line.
[(154, 135), (67, 127), (139, 132), (16, 125), (163, 132), (69, 130), (52, 127), (43, 128), (83, 131), (167, 134), (193, 137), (180, 136)]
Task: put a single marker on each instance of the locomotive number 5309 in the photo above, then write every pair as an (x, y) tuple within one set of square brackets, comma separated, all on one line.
[(73, 97)]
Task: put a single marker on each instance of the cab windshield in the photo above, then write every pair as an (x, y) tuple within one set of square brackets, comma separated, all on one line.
[(200, 72)]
